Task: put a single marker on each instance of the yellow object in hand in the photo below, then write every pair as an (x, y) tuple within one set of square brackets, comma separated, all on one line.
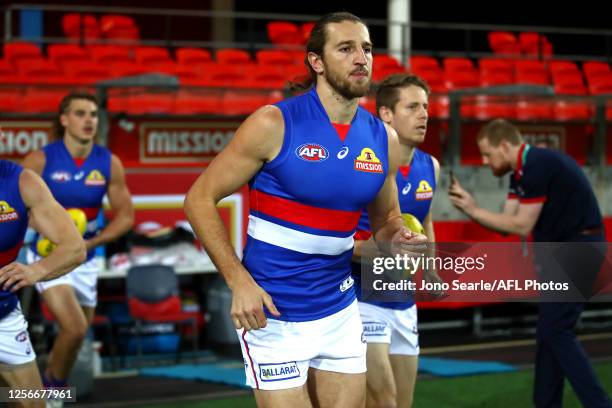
[(44, 247), (413, 224), (79, 218)]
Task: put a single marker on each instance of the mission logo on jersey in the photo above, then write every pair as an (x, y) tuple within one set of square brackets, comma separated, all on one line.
[(95, 178), (368, 162), (424, 192), (7, 213)]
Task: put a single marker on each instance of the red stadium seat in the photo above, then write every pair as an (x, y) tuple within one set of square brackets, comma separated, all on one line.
[(42, 100), (379, 74), (458, 65), (7, 72), (495, 78), (40, 71), (149, 56), (77, 26), (15, 51), (420, 64), (192, 56), (275, 58), (531, 72), (535, 44), (504, 43), (182, 72), (198, 101), (561, 67), (232, 56), (284, 33), (565, 110), (594, 70), (64, 54), (124, 69), (385, 61), (236, 103), (268, 77), (226, 76), (109, 54), (490, 107), (119, 27), (530, 109), (496, 66), (87, 72), (460, 80)]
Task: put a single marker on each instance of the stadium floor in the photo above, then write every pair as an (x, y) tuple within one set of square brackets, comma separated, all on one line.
[(130, 390)]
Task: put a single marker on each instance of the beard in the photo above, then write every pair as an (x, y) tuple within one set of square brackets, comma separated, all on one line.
[(501, 171), (346, 88)]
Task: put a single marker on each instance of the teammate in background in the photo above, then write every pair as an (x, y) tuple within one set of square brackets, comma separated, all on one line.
[(313, 162), (79, 173), (391, 327), (551, 198), (24, 196)]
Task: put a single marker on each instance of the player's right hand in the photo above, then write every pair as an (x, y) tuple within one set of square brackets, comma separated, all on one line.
[(248, 301)]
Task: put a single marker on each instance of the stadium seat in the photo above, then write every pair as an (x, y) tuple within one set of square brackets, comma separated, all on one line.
[(182, 72), (420, 64), (267, 77), (596, 69), (504, 43), (40, 71), (379, 74), (192, 56), (65, 54), (226, 76), (385, 61), (531, 72), (232, 56), (150, 56), (86, 72), (109, 54), (496, 66), (236, 103), (198, 101), (455, 65), (528, 109), (460, 80), (15, 51), (495, 78), (534, 44), (42, 100), (491, 107), (275, 58), (560, 67), (124, 69), (8, 72), (119, 27), (81, 26), (284, 33)]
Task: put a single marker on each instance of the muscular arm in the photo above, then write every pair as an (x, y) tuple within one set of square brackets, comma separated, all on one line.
[(121, 205), (521, 222), (257, 140), (52, 221)]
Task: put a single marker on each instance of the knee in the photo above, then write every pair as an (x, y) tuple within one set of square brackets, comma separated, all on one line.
[(76, 332)]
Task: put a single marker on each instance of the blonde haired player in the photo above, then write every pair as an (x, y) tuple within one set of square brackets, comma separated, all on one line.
[(390, 327)]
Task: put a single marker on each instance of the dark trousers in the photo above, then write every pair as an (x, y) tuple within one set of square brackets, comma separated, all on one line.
[(559, 355)]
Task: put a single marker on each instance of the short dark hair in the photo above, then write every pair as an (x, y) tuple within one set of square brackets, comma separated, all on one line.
[(498, 130), (65, 104), (388, 93), (318, 39)]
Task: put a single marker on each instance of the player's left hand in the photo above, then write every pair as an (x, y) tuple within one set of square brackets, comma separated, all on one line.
[(15, 276), (406, 242)]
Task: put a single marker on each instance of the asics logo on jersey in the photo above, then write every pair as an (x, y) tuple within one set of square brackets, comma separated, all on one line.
[(79, 175), (346, 284), (7, 213), (406, 189), (343, 153), (312, 152)]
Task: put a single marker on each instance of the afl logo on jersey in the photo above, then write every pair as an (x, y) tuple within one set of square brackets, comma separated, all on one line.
[(368, 162), (95, 178), (7, 213), (312, 152), (424, 192), (61, 176)]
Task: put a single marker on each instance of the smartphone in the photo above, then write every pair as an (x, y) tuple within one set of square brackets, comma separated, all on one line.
[(451, 174)]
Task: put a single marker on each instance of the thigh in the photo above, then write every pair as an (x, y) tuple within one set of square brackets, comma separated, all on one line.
[(330, 389), (24, 377), (63, 303), (296, 397)]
